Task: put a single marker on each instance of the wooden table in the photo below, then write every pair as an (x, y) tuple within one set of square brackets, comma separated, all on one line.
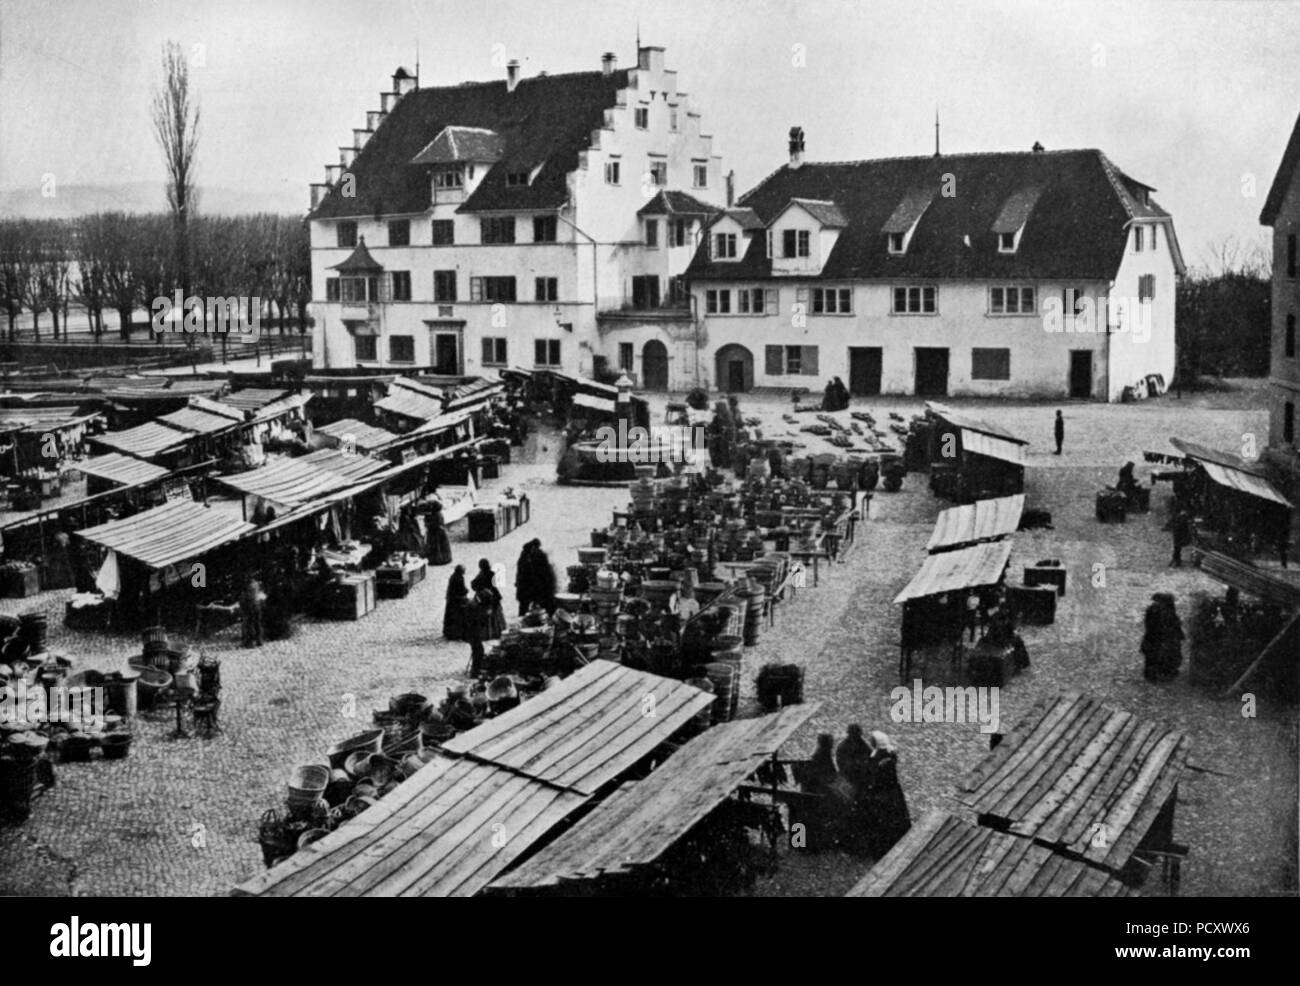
[(395, 581), (815, 555)]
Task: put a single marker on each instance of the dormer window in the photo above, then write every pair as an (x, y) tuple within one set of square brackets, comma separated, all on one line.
[(796, 243), (516, 179), (724, 246), (448, 178), (1007, 242), (897, 242)]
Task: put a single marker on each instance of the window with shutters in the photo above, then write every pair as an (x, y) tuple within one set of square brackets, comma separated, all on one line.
[(916, 300), (752, 301), (401, 349), (444, 232), (444, 285), (643, 117), (546, 289), (990, 364), (1011, 299), (545, 229), (717, 301), (1146, 287), (832, 301), (494, 351), (790, 360), (332, 289), (498, 229), (400, 285), (492, 289), (399, 232), (347, 234), (546, 352), (613, 172), (365, 348)]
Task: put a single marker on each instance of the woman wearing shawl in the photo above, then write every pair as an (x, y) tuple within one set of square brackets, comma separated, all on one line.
[(453, 617), (544, 583), (526, 588), (439, 544), (485, 583), (885, 806)]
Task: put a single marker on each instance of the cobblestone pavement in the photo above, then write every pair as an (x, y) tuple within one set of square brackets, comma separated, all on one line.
[(180, 816)]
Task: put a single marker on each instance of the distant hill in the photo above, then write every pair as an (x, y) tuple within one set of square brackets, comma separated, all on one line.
[(78, 200)]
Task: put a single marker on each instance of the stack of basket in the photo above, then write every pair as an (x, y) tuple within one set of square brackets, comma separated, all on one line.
[(156, 648)]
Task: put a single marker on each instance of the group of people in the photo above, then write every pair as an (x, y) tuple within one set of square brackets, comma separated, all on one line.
[(860, 806), (474, 613), (1162, 639), (836, 397)]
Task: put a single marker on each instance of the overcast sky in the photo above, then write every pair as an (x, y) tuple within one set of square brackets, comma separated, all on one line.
[(1191, 97)]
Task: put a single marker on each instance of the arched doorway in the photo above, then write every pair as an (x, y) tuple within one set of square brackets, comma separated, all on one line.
[(654, 365), (735, 369)]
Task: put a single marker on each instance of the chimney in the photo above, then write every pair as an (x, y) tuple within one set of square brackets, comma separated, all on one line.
[(650, 58), (1038, 148), (512, 74), (608, 62), (318, 192), (796, 147), (731, 188)]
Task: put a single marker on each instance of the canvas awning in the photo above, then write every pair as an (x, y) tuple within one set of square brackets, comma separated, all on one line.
[(196, 420), (121, 469), (1243, 482), (978, 443), (411, 401), (144, 441), (959, 419), (284, 481), (352, 467), (952, 571), (167, 535), (642, 820), (984, 520), (357, 433), (603, 404), (944, 856)]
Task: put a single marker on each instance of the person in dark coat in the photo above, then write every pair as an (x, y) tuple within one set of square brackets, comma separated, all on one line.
[(436, 538), (841, 394), (852, 754), (484, 584), (1162, 639), (476, 611), (817, 776), (544, 578), (1059, 429), (886, 818), (454, 615), (526, 588), (1127, 481), (1182, 531)]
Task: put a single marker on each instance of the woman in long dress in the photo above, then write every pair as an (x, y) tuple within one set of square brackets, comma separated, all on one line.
[(439, 544), (485, 582), (453, 617), (887, 819)]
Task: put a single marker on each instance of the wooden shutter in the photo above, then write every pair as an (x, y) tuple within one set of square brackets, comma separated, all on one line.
[(809, 359), (770, 304), (775, 358)]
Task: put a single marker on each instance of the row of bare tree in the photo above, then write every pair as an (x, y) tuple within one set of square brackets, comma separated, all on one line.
[(122, 262)]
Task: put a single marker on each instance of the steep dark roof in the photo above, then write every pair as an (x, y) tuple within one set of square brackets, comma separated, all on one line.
[(546, 121), (826, 213), (1075, 228), (359, 260), (454, 144), (1282, 180), (672, 203)]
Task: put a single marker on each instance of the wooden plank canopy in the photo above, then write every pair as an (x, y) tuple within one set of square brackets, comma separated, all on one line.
[(984, 520), (286, 481), (960, 420), (1240, 481), (1079, 776), (167, 535), (993, 447), (197, 420), (351, 467), (1246, 578), (585, 731), (121, 469), (642, 820), (963, 568), (448, 831), (364, 437), (146, 441), (944, 856)]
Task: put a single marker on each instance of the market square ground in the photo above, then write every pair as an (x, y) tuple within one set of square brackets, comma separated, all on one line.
[(180, 816)]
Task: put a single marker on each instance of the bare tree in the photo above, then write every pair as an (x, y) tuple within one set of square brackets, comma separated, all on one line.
[(176, 125)]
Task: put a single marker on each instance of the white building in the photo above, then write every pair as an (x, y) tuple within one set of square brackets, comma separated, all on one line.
[(493, 224), (1042, 273), (1282, 212)]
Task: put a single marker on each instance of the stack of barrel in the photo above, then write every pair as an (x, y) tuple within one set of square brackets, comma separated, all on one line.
[(724, 672), (32, 627)]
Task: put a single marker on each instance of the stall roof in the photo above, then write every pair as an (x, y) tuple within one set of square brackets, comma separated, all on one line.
[(411, 400), (1005, 449), (365, 437), (121, 469), (44, 418), (944, 856), (350, 467), (197, 420), (175, 532), (1203, 453), (604, 404), (1079, 776), (280, 407), (144, 441), (963, 568), (1244, 482), (984, 520), (1246, 578), (253, 398), (960, 419), (286, 481), (430, 837), (436, 424), (473, 392), (588, 729), (642, 820)]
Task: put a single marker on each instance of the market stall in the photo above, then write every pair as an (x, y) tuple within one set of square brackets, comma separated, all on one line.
[(972, 523), (1234, 498), (361, 437), (114, 470), (971, 459), (1088, 781)]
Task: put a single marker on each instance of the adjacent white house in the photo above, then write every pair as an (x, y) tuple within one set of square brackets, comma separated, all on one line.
[(471, 227), (1282, 213), (1044, 273)]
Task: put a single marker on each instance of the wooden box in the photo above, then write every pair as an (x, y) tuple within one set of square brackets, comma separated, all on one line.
[(1033, 603), (352, 596), (1050, 575), (392, 582), (483, 524), (20, 584)]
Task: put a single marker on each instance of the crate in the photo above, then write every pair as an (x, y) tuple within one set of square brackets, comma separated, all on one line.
[(1049, 575), (352, 596), (395, 583), (19, 584), (484, 524), (1033, 603)]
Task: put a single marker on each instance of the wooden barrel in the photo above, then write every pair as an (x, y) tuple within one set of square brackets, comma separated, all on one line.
[(726, 682), (706, 592), (755, 595), (703, 719)]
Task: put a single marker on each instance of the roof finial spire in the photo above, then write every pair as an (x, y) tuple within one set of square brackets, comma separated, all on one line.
[(936, 130), (417, 63)]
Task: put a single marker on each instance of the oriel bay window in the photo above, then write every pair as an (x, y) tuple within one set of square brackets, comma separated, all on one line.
[(915, 300), (546, 352), (492, 289), (832, 301), (1011, 299), (790, 361), (358, 289)]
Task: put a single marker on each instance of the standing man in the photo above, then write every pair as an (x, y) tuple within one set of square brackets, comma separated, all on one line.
[(1060, 432), (1182, 528)]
